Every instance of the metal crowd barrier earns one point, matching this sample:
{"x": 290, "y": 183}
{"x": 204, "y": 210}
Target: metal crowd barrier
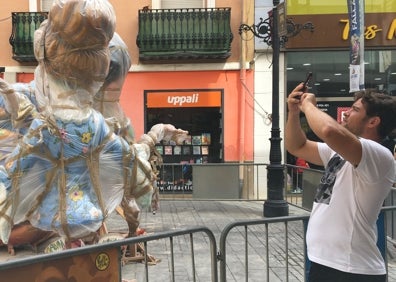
{"x": 268, "y": 249}
{"x": 247, "y": 181}
{"x": 231, "y": 181}
{"x": 104, "y": 261}
{"x": 280, "y": 255}
{"x": 390, "y": 223}
{"x": 267, "y": 256}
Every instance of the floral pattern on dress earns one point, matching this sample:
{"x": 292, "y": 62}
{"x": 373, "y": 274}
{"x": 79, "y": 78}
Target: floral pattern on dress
{"x": 57, "y": 162}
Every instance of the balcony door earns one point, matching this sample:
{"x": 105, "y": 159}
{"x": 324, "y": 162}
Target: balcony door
{"x": 180, "y": 4}
{"x": 45, "y": 5}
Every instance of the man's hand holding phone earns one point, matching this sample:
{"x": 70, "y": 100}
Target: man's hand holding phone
{"x": 307, "y": 80}
{"x": 305, "y": 85}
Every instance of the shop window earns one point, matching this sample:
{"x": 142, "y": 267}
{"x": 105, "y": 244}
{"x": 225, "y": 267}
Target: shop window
{"x": 203, "y": 146}
{"x": 331, "y": 71}
{"x": 200, "y": 113}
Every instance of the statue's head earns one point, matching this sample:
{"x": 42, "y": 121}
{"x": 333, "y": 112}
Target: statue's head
{"x": 72, "y": 44}
{"x": 120, "y": 60}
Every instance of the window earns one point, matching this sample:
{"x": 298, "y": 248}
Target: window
{"x": 331, "y": 71}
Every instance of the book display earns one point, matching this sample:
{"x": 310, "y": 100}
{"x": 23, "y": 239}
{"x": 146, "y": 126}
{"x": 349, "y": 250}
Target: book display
{"x": 160, "y": 149}
{"x": 168, "y": 150}
{"x": 195, "y": 150}
{"x": 196, "y": 140}
{"x": 177, "y": 150}
{"x": 186, "y": 150}
{"x": 195, "y": 145}
{"x": 205, "y": 139}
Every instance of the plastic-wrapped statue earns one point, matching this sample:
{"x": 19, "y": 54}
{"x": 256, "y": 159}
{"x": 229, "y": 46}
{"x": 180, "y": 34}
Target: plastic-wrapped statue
{"x": 21, "y": 105}
{"x": 16, "y": 113}
{"x": 107, "y": 100}
{"x": 70, "y": 170}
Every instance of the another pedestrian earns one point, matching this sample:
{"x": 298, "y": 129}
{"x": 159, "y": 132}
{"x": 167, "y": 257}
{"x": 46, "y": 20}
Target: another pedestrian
{"x": 298, "y": 172}
{"x": 359, "y": 172}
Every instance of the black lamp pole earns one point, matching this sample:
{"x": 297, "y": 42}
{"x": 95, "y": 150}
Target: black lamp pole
{"x": 275, "y": 205}
{"x": 268, "y": 30}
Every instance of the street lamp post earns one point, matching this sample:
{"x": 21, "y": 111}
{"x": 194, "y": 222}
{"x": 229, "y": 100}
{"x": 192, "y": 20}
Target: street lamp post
{"x": 275, "y": 205}
{"x": 268, "y": 30}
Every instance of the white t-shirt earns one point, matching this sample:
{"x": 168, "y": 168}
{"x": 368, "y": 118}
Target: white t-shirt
{"x": 342, "y": 231}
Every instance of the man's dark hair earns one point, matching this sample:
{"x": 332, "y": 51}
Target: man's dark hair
{"x": 381, "y": 105}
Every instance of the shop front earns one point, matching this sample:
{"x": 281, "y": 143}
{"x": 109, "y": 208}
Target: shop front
{"x": 325, "y": 52}
{"x": 214, "y": 108}
{"x": 200, "y": 113}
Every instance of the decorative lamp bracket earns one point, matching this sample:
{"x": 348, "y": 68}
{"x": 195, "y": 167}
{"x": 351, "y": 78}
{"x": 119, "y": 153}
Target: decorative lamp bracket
{"x": 263, "y": 30}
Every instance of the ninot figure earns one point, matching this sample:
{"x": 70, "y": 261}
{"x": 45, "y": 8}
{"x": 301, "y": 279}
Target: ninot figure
{"x": 70, "y": 170}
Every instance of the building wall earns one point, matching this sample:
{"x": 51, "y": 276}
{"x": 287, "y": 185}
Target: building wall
{"x": 263, "y": 90}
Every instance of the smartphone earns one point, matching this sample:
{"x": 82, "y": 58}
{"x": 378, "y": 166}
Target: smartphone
{"x": 307, "y": 80}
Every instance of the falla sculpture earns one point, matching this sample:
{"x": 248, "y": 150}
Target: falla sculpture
{"x": 69, "y": 155}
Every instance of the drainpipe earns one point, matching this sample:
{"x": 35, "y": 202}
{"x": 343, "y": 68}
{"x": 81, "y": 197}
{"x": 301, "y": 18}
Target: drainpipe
{"x": 246, "y": 5}
{"x": 242, "y": 128}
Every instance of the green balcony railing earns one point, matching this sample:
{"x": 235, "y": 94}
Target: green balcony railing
{"x": 24, "y": 25}
{"x": 178, "y": 34}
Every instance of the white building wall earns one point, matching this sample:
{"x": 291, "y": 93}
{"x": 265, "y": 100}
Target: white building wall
{"x": 263, "y": 100}
{"x": 263, "y": 107}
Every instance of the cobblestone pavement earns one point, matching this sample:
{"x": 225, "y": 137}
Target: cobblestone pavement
{"x": 215, "y": 215}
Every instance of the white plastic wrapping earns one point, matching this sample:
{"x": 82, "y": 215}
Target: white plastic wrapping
{"x": 69, "y": 170}
{"x": 107, "y": 100}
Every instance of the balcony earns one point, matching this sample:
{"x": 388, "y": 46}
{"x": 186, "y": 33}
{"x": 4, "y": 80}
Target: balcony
{"x": 24, "y": 25}
{"x": 184, "y": 34}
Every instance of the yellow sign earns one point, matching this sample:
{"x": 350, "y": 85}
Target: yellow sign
{"x": 371, "y": 31}
{"x": 320, "y": 7}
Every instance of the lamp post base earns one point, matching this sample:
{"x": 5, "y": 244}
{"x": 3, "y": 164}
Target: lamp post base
{"x": 275, "y": 208}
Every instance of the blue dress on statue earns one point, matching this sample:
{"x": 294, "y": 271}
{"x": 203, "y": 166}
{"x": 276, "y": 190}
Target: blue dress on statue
{"x": 66, "y": 176}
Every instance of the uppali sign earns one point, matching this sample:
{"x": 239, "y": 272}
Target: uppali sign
{"x": 183, "y": 98}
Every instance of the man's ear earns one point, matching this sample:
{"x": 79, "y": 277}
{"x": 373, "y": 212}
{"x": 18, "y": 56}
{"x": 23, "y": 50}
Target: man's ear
{"x": 374, "y": 121}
